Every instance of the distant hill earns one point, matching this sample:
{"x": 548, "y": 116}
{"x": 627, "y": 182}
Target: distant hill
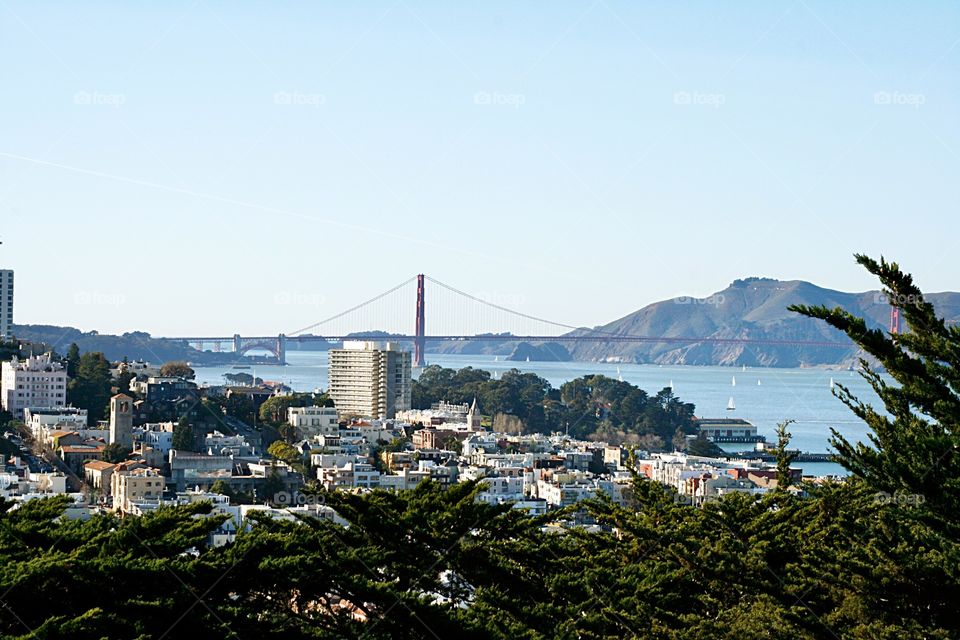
{"x": 750, "y": 308}
{"x": 135, "y": 345}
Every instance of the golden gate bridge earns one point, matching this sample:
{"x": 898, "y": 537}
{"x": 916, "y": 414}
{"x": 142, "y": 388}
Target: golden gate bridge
{"x": 466, "y": 317}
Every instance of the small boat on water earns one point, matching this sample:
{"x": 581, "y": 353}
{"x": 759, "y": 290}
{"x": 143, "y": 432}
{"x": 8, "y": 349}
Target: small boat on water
{"x": 831, "y": 383}
{"x": 758, "y": 382}
{"x": 240, "y": 366}
{"x": 733, "y": 382}
{"x": 496, "y": 358}
{"x": 744, "y": 368}
{"x": 528, "y": 358}
{"x": 730, "y": 405}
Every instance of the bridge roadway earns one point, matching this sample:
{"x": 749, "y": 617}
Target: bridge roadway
{"x": 526, "y": 338}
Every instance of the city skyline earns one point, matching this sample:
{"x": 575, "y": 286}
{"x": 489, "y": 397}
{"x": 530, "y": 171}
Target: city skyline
{"x": 186, "y": 169}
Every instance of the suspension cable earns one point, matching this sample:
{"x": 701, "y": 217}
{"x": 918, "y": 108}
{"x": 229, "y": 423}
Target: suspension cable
{"x": 354, "y": 308}
{"x": 512, "y": 311}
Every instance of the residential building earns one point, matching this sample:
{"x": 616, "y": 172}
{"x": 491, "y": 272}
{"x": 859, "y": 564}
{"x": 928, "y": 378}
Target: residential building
{"x": 138, "y": 485}
{"x": 6, "y": 303}
{"x": 38, "y": 381}
{"x": 43, "y": 420}
{"x": 97, "y": 474}
{"x": 369, "y": 379}
{"x": 313, "y": 421}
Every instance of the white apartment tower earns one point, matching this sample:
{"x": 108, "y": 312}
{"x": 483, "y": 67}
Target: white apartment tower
{"x": 37, "y": 382}
{"x": 370, "y": 380}
{"x": 6, "y": 303}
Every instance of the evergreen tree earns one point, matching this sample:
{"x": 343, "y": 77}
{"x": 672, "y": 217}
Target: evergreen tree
{"x": 184, "y": 437}
{"x": 784, "y": 456}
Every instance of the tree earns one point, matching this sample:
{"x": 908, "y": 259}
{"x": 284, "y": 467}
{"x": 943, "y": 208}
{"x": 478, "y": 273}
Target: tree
{"x": 284, "y": 452}
{"x": 73, "y": 359}
{"x": 784, "y": 456}
{"x": 177, "y": 369}
{"x": 274, "y": 409}
{"x": 184, "y": 437}
{"x": 91, "y": 387}
{"x": 915, "y": 446}
{"x": 114, "y": 453}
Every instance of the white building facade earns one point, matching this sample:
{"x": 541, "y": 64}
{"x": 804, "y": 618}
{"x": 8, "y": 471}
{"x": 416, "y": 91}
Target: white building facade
{"x": 38, "y": 381}
{"x": 370, "y": 380}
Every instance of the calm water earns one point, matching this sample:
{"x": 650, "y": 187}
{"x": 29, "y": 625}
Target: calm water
{"x": 799, "y": 394}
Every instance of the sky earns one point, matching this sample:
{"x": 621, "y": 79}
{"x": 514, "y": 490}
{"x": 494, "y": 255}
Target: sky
{"x": 208, "y": 167}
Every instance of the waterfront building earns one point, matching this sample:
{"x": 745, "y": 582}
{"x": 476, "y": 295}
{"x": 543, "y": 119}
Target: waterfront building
{"x": 727, "y": 430}
{"x": 38, "y": 381}
{"x": 371, "y": 380}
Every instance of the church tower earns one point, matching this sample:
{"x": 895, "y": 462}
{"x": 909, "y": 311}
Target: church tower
{"x": 121, "y": 420}
{"x": 473, "y": 416}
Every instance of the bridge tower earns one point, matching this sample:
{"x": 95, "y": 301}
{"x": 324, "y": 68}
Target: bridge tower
{"x": 419, "y": 342}
{"x": 894, "y": 320}
{"x": 282, "y": 349}
{"x": 237, "y": 346}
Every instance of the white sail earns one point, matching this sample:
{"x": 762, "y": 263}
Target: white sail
{"x": 733, "y": 382}
{"x": 671, "y": 385}
{"x": 496, "y": 358}
{"x": 730, "y": 405}
{"x": 758, "y": 382}
{"x": 831, "y": 383}
{"x": 619, "y": 375}
{"x": 744, "y": 368}
{"x": 528, "y": 358}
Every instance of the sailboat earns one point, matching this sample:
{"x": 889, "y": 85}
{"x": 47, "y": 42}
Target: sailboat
{"x": 744, "y": 368}
{"x": 758, "y": 382}
{"x": 528, "y": 358}
{"x": 619, "y": 375}
{"x": 831, "y": 383}
{"x": 733, "y": 382}
{"x": 496, "y": 358}
{"x": 730, "y": 405}
{"x": 671, "y": 385}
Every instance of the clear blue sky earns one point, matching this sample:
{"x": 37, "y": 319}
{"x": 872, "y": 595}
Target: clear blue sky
{"x": 180, "y": 166}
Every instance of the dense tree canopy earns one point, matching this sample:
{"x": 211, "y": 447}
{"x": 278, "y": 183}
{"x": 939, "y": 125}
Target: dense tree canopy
{"x": 178, "y": 369}
{"x": 92, "y": 386}
{"x": 614, "y": 410}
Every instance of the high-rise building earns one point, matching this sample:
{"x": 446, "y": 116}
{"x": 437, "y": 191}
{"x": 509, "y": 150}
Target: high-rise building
{"x": 370, "y": 380}
{"x": 37, "y": 382}
{"x": 6, "y": 303}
